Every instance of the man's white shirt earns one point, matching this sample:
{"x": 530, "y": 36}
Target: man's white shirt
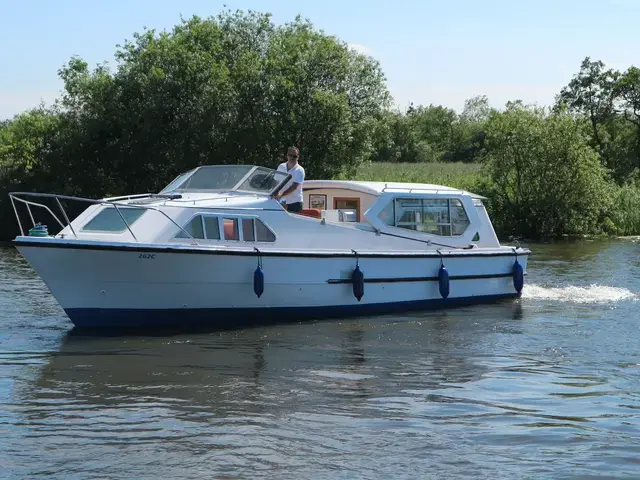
{"x": 297, "y": 175}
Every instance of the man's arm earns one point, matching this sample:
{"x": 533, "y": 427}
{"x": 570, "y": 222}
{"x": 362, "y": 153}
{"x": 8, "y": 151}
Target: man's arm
{"x": 293, "y": 186}
{"x": 298, "y": 178}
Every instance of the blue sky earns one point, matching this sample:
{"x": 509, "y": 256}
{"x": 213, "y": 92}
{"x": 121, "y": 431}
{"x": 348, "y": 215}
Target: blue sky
{"x": 439, "y": 52}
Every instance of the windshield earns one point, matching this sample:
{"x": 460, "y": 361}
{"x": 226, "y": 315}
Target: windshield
{"x": 177, "y": 181}
{"x": 262, "y": 180}
{"x": 211, "y": 178}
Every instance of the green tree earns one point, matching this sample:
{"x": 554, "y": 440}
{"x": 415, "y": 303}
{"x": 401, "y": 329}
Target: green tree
{"x": 591, "y": 92}
{"x": 545, "y": 178}
{"x": 606, "y": 98}
{"x": 234, "y": 88}
{"x": 397, "y": 140}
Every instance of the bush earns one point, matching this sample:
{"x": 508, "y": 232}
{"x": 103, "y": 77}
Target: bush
{"x": 545, "y": 179}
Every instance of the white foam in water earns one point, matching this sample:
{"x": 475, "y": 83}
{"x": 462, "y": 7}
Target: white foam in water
{"x": 590, "y": 294}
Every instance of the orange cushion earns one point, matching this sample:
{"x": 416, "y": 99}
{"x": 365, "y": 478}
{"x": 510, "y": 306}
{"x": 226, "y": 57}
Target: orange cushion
{"x": 311, "y": 212}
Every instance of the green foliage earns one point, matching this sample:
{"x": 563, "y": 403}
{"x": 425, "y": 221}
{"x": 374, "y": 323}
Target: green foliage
{"x": 624, "y": 218}
{"x": 231, "y": 89}
{"x": 545, "y": 179}
{"x": 610, "y": 101}
{"x": 466, "y": 176}
{"x": 431, "y": 134}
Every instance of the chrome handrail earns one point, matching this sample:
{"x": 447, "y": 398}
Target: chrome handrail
{"x": 14, "y": 196}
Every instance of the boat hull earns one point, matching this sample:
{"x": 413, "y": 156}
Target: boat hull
{"x": 127, "y": 286}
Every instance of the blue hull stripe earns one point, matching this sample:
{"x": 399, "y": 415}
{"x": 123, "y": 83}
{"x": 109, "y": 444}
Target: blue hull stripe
{"x": 240, "y": 317}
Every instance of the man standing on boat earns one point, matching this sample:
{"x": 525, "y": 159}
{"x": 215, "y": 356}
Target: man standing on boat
{"x": 292, "y": 192}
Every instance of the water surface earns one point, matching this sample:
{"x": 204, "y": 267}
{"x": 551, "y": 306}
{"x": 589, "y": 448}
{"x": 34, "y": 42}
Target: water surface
{"x": 544, "y": 387}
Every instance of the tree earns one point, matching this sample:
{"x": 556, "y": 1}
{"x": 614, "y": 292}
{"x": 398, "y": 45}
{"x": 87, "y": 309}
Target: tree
{"x": 591, "y": 92}
{"x": 605, "y": 97}
{"x": 476, "y": 109}
{"x": 628, "y": 89}
{"x": 234, "y": 88}
{"x": 546, "y": 180}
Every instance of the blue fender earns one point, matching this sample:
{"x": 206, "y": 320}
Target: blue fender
{"x": 443, "y": 281}
{"x": 258, "y": 281}
{"x": 358, "y": 283}
{"x": 518, "y": 276}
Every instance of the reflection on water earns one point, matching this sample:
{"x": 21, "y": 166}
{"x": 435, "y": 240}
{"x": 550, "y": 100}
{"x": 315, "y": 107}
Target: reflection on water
{"x": 543, "y": 387}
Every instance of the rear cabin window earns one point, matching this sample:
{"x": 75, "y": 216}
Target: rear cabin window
{"x": 435, "y": 216}
{"x": 233, "y": 229}
{"x": 109, "y": 220}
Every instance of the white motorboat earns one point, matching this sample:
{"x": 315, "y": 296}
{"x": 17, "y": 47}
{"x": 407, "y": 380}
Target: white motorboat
{"x": 214, "y": 248}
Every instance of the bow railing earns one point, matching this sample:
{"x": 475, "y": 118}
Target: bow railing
{"x": 115, "y": 202}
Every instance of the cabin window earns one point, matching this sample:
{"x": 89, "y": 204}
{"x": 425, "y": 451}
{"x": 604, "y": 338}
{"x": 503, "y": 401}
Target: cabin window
{"x": 109, "y": 220}
{"x": 349, "y": 207}
{"x": 248, "y": 234}
{"x": 230, "y": 226}
{"x": 459, "y": 219}
{"x": 208, "y": 227}
{"x": 444, "y": 217}
{"x": 194, "y": 228}
{"x": 263, "y": 234}
{"x": 211, "y": 227}
{"x": 388, "y": 215}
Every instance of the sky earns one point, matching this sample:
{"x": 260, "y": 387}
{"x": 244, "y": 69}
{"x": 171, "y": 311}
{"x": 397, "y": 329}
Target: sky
{"x": 432, "y": 52}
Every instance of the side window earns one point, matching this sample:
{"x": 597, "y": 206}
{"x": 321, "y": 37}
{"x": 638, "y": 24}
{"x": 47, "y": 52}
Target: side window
{"x": 208, "y": 226}
{"x": 247, "y": 230}
{"x": 444, "y": 217}
{"x": 109, "y": 220}
{"x": 408, "y": 213}
{"x": 230, "y": 226}
{"x": 194, "y": 227}
{"x": 212, "y": 228}
{"x": 459, "y": 219}
{"x": 436, "y": 219}
{"x": 388, "y": 214}
{"x": 263, "y": 234}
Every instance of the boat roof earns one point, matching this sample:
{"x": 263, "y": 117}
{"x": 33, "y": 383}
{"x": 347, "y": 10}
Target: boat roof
{"x": 377, "y": 188}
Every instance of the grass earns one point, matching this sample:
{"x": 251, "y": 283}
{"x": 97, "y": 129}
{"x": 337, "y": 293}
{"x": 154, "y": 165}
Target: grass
{"x": 456, "y": 175}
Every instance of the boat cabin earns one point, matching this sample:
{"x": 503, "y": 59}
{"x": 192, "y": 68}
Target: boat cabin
{"x": 232, "y": 205}
{"x": 434, "y": 210}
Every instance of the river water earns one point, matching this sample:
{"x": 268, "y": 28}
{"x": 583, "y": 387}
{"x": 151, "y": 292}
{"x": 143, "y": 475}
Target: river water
{"x": 544, "y": 387}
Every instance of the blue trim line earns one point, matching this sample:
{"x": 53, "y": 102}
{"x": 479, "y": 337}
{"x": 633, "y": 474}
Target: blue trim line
{"x": 241, "y": 317}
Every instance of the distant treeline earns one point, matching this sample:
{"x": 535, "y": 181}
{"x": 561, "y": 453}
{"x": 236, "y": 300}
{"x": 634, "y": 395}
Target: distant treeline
{"x": 236, "y": 88}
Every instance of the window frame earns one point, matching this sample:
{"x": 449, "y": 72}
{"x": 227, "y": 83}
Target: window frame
{"x": 422, "y": 200}
{"x": 232, "y": 216}
{"x": 125, "y": 223}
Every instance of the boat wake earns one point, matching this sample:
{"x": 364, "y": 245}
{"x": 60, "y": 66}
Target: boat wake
{"x": 597, "y": 294}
